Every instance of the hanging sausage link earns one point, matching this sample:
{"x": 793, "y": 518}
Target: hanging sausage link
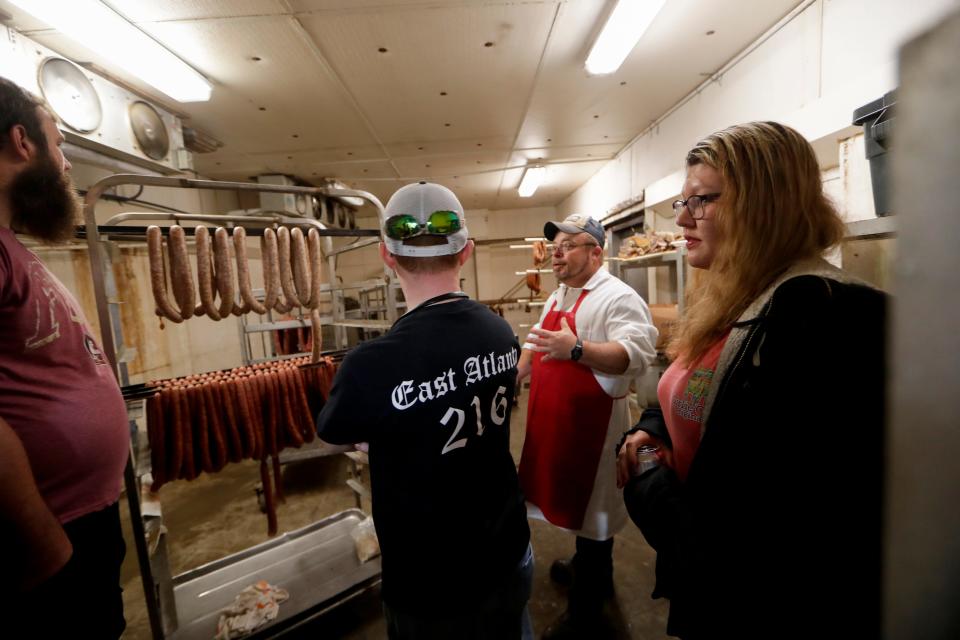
{"x": 181, "y": 277}
{"x": 243, "y": 271}
{"x": 205, "y": 272}
{"x": 301, "y": 268}
{"x": 158, "y": 275}
{"x": 286, "y": 270}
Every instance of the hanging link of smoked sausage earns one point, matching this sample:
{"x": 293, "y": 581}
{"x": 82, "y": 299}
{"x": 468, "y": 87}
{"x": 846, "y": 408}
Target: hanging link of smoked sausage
{"x": 243, "y": 271}
{"x": 231, "y": 419}
{"x": 271, "y": 274}
{"x": 181, "y": 277}
{"x": 286, "y": 269}
{"x": 316, "y": 265}
{"x": 215, "y": 421}
{"x": 223, "y": 271}
{"x": 158, "y": 275}
{"x": 316, "y": 336}
{"x": 205, "y": 272}
{"x": 301, "y": 268}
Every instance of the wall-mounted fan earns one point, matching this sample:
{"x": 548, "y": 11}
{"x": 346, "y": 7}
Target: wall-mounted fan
{"x": 70, "y": 94}
{"x": 149, "y": 130}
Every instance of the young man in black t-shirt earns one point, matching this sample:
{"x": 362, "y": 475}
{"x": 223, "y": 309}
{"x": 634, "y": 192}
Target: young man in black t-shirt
{"x": 432, "y": 398}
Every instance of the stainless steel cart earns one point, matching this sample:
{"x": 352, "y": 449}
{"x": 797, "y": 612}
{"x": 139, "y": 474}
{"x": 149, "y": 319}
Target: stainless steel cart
{"x": 317, "y": 564}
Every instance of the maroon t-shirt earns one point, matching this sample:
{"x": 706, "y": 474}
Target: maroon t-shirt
{"x": 57, "y": 389}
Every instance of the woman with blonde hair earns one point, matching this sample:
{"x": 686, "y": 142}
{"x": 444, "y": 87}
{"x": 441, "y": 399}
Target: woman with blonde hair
{"x": 765, "y": 507}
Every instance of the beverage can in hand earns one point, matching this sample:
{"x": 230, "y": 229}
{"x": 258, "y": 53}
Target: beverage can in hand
{"x": 647, "y": 458}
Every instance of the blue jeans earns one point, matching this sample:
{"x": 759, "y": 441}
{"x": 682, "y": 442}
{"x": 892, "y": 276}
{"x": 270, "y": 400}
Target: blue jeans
{"x": 504, "y": 615}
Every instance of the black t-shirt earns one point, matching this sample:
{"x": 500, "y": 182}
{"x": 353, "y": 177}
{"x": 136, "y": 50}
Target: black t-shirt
{"x": 433, "y": 399}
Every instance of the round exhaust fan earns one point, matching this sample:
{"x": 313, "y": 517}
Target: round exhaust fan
{"x": 70, "y": 94}
{"x": 149, "y": 130}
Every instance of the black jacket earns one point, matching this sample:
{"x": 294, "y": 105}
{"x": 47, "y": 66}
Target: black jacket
{"x": 776, "y": 532}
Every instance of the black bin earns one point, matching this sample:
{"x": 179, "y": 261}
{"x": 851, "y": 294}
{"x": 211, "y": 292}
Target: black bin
{"x": 877, "y": 120}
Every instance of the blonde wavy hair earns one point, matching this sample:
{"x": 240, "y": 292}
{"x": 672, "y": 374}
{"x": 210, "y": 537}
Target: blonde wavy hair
{"x": 772, "y": 213}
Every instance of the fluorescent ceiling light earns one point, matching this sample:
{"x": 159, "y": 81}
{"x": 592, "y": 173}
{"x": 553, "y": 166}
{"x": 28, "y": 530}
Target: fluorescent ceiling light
{"x": 626, "y": 25}
{"x": 103, "y": 31}
{"x": 535, "y": 239}
{"x": 532, "y": 179}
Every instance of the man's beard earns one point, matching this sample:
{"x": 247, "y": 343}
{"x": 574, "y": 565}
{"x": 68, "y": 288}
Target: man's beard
{"x": 44, "y": 202}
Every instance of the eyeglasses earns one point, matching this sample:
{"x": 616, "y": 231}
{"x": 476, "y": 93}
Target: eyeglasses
{"x": 694, "y": 204}
{"x": 439, "y": 223}
{"x": 566, "y": 246}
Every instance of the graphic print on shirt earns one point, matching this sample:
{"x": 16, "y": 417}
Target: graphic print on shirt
{"x": 689, "y": 405}
{"x": 46, "y": 323}
{"x": 475, "y": 369}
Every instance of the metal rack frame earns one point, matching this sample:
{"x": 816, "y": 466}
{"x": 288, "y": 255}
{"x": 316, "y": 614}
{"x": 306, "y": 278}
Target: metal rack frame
{"x": 112, "y": 340}
{"x": 674, "y": 260}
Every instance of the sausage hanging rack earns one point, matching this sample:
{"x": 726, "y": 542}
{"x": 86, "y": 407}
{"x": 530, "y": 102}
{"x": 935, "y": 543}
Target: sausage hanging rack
{"x": 144, "y": 390}
{"x": 158, "y": 590}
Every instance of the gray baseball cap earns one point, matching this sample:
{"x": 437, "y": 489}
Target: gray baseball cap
{"x": 576, "y": 223}
{"x": 420, "y": 200}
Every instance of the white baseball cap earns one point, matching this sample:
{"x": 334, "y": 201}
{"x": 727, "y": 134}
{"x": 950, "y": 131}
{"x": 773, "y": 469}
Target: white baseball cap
{"x": 420, "y": 200}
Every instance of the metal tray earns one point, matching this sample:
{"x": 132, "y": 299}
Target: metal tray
{"x": 316, "y": 449}
{"x": 316, "y": 564}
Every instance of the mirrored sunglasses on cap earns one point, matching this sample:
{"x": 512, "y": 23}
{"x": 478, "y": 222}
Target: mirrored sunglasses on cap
{"x": 404, "y": 225}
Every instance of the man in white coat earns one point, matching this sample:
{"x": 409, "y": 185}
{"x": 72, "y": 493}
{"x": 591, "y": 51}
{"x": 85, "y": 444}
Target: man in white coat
{"x": 594, "y": 336}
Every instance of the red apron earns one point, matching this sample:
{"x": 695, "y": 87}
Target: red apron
{"x": 567, "y": 419}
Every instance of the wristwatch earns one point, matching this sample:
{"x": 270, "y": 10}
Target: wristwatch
{"x": 577, "y": 352}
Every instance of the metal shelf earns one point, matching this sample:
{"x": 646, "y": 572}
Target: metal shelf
{"x": 363, "y": 324}
{"x": 871, "y": 228}
{"x": 662, "y": 259}
{"x": 675, "y": 260}
{"x": 283, "y": 324}
{"x": 320, "y": 560}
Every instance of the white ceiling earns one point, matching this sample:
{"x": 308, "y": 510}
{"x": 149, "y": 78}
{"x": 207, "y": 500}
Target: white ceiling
{"x": 465, "y": 90}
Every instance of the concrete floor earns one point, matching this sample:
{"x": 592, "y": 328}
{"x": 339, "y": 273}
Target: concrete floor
{"x": 216, "y": 515}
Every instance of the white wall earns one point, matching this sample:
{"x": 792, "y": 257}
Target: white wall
{"x": 809, "y": 72}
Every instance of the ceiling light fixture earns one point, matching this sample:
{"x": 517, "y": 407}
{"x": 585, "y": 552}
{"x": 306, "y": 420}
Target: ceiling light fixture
{"x": 626, "y": 25}
{"x": 531, "y": 181}
{"x": 105, "y": 32}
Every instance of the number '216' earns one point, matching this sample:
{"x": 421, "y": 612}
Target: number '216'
{"x": 498, "y": 413}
